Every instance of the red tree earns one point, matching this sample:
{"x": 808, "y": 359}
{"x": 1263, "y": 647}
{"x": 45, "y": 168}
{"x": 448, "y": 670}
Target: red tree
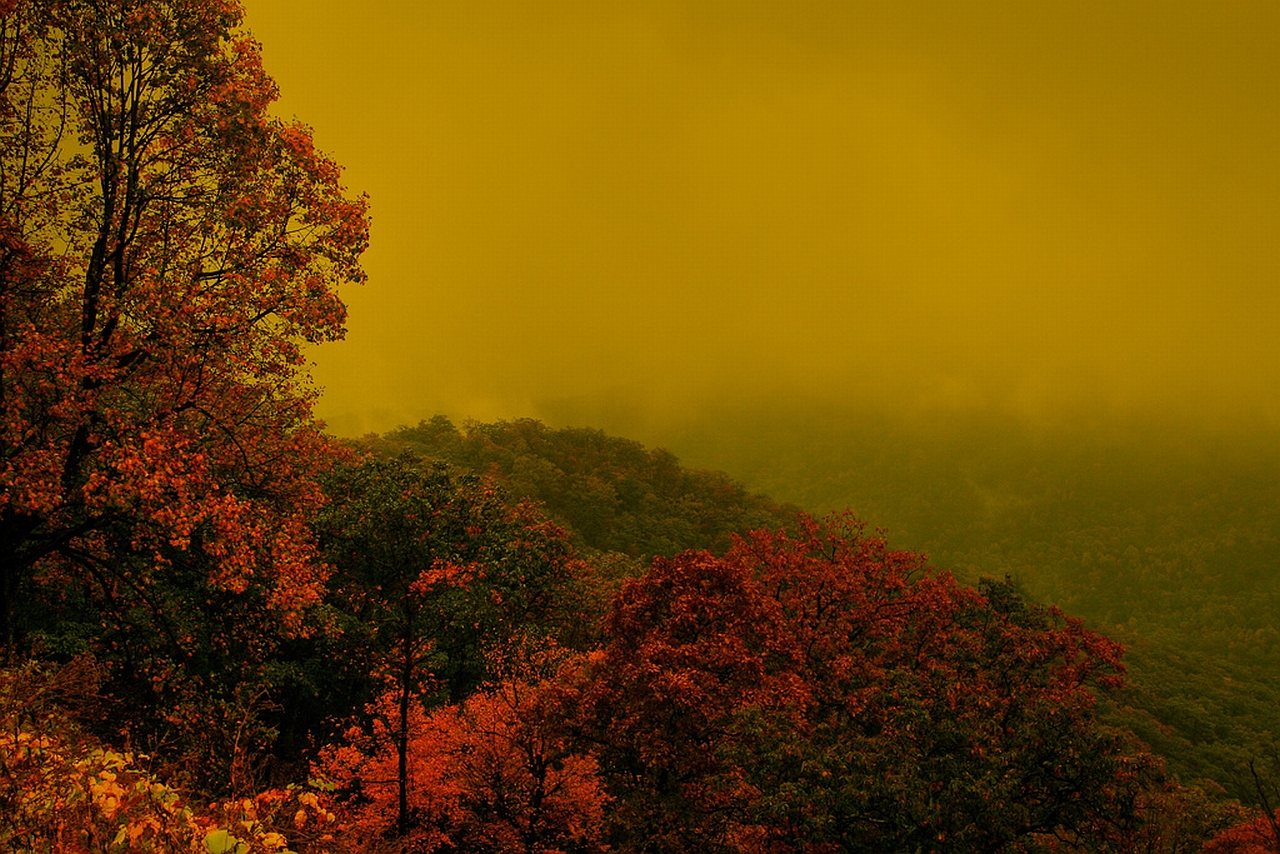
{"x": 1260, "y": 833}
{"x": 1256, "y": 836}
{"x": 692, "y": 644}
{"x": 166, "y": 248}
{"x": 825, "y": 693}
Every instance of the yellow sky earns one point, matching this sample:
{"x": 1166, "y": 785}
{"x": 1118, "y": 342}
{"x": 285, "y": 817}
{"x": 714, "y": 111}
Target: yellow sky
{"x": 1028, "y": 206}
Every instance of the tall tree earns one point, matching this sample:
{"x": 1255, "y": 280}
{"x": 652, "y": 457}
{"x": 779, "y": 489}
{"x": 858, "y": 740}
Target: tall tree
{"x": 435, "y": 576}
{"x": 166, "y": 249}
{"x": 494, "y": 774}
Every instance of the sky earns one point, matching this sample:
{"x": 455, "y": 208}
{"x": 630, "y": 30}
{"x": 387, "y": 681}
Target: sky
{"x": 634, "y": 213}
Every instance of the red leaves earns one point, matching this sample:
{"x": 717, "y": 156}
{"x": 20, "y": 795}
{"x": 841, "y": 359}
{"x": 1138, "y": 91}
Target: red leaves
{"x": 1255, "y": 836}
{"x": 825, "y": 688}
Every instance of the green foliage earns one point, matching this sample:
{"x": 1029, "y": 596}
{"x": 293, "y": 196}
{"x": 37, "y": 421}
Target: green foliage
{"x": 433, "y": 570}
{"x": 612, "y": 493}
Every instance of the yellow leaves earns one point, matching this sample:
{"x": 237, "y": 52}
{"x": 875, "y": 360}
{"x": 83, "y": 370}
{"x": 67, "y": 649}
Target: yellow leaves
{"x": 72, "y": 791}
{"x": 272, "y": 841}
{"x": 106, "y": 793}
{"x": 222, "y": 842}
{"x": 64, "y": 792}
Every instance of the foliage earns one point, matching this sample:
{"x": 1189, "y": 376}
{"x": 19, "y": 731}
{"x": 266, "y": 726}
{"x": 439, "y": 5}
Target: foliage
{"x": 1257, "y": 835}
{"x": 63, "y": 791}
{"x": 1163, "y": 538}
{"x": 435, "y": 576}
{"x": 823, "y": 690}
{"x": 613, "y": 493}
{"x": 439, "y": 570}
{"x": 496, "y": 773}
{"x": 166, "y": 248}
{"x": 1258, "y": 832}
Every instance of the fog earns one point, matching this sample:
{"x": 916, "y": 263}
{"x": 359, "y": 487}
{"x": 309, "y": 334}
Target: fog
{"x": 653, "y": 217}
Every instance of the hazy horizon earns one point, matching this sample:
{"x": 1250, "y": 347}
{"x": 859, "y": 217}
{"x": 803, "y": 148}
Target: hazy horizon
{"x": 639, "y": 215}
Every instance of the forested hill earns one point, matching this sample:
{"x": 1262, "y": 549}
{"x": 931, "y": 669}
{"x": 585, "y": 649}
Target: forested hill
{"x": 1166, "y": 539}
{"x": 1174, "y": 551}
{"x": 224, "y": 632}
{"x": 613, "y": 494}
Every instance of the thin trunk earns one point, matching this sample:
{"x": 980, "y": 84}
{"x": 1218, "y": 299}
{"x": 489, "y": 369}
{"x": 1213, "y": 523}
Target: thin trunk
{"x": 14, "y": 532}
{"x": 8, "y": 592}
{"x": 402, "y": 740}
{"x": 1267, "y": 810}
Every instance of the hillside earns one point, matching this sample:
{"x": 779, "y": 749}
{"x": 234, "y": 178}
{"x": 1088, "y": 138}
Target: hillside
{"x": 475, "y": 594}
{"x": 1165, "y": 539}
{"x": 614, "y": 494}
{"x": 1176, "y": 554}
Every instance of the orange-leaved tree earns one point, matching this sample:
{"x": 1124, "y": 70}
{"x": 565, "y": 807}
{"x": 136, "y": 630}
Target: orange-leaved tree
{"x": 1259, "y": 831}
{"x": 435, "y": 579}
{"x": 496, "y": 774}
{"x": 167, "y": 247}
{"x": 1257, "y": 835}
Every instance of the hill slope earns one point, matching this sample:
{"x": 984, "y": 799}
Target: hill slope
{"x": 1166, "y": 539}
{"x": 614, "y": 494}
{"x": 1174, "y": 552}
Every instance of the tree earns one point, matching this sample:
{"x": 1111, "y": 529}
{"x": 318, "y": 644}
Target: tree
{"x": 690, "y": 645}
{"x": 1259, "y": 831}
{"x": 495, "y": 774}
{"x": 821, "y": 692}
{"x": 611, "y": 493}
{"x": 166, "y": 249}
{"x": 1253, "y": 836}
{"x": 434, "y": 575}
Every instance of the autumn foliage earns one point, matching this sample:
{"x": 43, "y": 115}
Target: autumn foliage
{"x": 225, "y": 632}
{"x": 496, "y": 773}
{"x": 1260, "y": 835}
{"x": 817, "y": 692}
{"x": 825, "y": 691}
{"x": 63, "y": 791}
{"x": 166, "y": 248}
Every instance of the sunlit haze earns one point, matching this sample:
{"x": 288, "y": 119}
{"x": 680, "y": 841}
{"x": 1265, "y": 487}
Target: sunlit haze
{"x": 636, "y": 214}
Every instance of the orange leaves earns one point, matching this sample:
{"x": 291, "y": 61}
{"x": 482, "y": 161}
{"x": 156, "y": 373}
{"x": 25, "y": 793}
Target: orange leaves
{"x": 441, "y": 574}
{"x": 167, "y": 249}
{"x": 494, "y": 774}
{"x": 1254, "y": 836}
{"x": 151, "y": 365}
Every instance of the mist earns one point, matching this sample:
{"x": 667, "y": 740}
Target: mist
{"x": 653, "y": 215}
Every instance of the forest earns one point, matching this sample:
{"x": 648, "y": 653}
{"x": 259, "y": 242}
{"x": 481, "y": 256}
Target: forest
{"x": 226, "y": 631}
